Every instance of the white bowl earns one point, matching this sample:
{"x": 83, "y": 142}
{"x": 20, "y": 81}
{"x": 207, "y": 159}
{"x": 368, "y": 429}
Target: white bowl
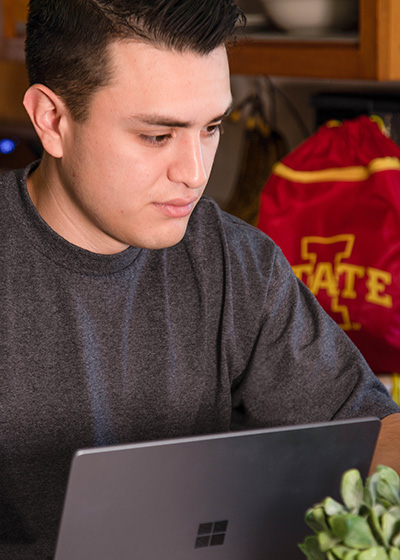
{"x": 312, "y": 16}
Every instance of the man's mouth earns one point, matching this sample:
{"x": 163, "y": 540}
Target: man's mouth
{"x": 177, "y": 208}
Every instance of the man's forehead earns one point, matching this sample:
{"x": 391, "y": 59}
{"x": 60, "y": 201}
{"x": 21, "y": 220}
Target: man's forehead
{"x": 136, "y": 54}
{"x": 156, "y": 86}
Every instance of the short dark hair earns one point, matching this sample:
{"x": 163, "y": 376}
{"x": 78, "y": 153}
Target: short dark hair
{"x": 66, "y": 44}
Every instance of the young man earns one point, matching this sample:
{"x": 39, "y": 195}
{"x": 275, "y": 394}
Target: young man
{"x": 131, "y": 307}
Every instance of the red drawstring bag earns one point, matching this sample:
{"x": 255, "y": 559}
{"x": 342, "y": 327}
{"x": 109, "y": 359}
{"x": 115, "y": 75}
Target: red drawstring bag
{"x": 333, "y": 206}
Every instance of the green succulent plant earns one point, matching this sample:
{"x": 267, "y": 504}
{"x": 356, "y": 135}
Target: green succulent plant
{"x": 365, "y": 527}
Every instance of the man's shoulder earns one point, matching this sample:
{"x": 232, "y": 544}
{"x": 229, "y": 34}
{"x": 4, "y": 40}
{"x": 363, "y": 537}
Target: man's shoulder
{"x": 9, "y": 190}
{"x": 9, "y": 181}
{"x": 12, "y": 176}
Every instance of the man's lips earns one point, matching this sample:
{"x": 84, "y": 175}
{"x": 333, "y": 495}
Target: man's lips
{"x": 177, "y": 208}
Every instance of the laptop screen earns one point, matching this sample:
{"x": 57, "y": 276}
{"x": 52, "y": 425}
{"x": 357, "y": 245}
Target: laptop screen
{"x": 236, "y": 496}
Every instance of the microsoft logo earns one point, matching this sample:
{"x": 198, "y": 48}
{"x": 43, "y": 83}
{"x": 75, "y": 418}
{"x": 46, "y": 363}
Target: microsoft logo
{"x": 211, "y": 534}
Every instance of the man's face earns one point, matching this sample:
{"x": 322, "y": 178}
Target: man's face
{"x": 133, "y": 172}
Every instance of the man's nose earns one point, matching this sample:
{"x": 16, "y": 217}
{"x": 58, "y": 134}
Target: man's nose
{"x": 188, "y": 165}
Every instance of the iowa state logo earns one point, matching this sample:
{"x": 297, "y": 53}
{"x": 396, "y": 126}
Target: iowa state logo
{"x": 327, "y": 272}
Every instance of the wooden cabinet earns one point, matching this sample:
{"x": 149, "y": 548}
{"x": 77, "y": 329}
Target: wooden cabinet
{"x": 13, "y": 78}
{"x": 13, "y": 84}
{"x": 373, "y": 54}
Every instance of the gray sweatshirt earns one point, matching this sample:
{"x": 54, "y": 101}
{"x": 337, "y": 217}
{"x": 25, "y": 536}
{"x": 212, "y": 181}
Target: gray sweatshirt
{"x": 213, "y": 334}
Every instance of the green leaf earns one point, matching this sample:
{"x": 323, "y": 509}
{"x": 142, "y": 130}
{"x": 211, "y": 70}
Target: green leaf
{"x": 370, "y": 490}
{"x": 315, "y": 518}
{"x": 332, "y": 507}
{"x": 374, "y": 553}
{"x": 303, "y": 548}
{"x": 379, "y": 510}
{"x": 396, "y": 540}
{"x": 340, "y": 551}
{"x": 310, "y": 548}
{"x": 395, "y": 511}
{"x": 327, "y": 541}
{"x": 352, "y": 490}
{"x": 394, "y": 553}
{"x": 353, "y": 530}
{"x": 351, "y": 555}
{"x": 374, "y": 519}
{"x": 390, "y": 526}
{"x": 390, "y": 475}
{"x": 387, "y": 487}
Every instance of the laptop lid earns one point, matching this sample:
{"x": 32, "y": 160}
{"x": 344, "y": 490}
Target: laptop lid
{"x": 236, "y": 496}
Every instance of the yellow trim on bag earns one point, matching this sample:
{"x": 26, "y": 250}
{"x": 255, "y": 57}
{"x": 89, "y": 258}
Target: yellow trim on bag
{"x": 396, "y": 387}
{"x": 355, "y": 173}
{"x": 332, "y": 123}
{"x": 379, "y": 121}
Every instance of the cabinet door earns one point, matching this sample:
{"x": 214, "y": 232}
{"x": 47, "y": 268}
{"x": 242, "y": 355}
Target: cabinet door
{"x": 373, "y": 53}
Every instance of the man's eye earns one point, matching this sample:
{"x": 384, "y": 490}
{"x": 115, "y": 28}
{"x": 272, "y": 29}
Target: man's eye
{"x": 158, "y": 140}
{"x": 215, "y": 129}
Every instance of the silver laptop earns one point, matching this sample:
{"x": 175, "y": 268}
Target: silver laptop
{"x": 236, "y": 496}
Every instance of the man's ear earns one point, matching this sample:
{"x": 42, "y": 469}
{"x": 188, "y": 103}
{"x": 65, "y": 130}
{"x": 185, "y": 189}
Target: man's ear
{"x": 49, "y": 115}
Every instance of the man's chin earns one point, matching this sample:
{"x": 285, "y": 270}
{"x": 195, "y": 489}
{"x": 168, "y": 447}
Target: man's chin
{"x": 164, "y": 241}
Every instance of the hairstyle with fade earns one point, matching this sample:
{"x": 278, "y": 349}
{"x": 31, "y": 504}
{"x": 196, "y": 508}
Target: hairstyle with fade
{"x": 67, "y": 40}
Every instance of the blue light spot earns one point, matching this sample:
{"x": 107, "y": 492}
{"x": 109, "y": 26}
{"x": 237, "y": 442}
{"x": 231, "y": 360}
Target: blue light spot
{"x": 7, "y": 146}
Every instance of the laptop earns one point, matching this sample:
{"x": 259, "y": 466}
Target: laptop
{"x": 235, "y": 496}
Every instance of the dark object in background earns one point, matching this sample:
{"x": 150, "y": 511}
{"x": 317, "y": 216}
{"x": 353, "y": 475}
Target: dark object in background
{"x": 343, "y": 106}
{"x": 19, "y": 146}
{"x": 262, "y": 148}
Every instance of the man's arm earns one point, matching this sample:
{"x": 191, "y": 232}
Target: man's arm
{"x": 387, "y": 450}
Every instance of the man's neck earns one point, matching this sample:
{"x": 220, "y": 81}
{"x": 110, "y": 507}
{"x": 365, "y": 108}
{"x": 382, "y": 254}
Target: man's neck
{"x": 56, "y": 208}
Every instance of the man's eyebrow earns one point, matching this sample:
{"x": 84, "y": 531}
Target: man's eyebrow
{"x": 164, "y": 121}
